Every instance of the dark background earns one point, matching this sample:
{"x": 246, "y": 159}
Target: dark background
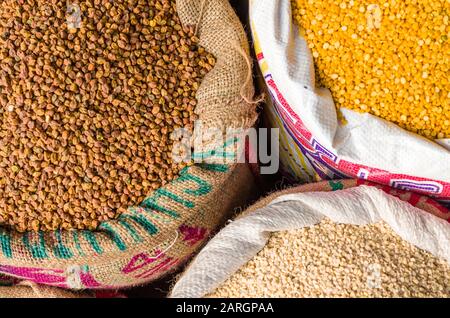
{"x": 161, "y": 288}
{"x": 241, "y": 8}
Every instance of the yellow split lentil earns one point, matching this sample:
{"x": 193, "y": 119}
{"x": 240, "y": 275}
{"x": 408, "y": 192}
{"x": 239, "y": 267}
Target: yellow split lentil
{"x": 339, "y": 260}
{"x": 390, "y": 58}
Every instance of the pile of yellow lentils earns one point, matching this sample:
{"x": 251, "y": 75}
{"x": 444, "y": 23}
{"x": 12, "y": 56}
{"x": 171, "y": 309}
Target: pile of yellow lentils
{"x": 390, "y": 58}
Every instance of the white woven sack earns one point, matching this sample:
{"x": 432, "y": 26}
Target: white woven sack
{"x": 242, "y": 239}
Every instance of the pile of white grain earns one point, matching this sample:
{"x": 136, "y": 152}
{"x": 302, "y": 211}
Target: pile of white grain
{"x": 339, "y": 260}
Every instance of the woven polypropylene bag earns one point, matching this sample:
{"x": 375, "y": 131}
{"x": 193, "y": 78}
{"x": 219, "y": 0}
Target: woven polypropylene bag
{"x": 417, "y": 219}
{"x": 151, "y": 239}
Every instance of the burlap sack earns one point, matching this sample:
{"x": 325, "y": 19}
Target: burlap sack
{"x": 313, "y": 142}
{"x": 157, "y": 236}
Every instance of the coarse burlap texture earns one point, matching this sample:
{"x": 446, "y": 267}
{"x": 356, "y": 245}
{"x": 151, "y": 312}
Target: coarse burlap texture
{"x": 220, "y": 97}
{"x": 41, "y": 291}
{"x": 154, "y": 238}
{"x": 417, "y": 219}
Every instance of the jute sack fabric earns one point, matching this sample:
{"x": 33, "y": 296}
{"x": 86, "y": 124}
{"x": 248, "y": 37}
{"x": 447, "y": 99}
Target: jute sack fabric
{"x": 154, "y": 238}
{"x": 418, "y": 220}
{"x": 42, "y": 291}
